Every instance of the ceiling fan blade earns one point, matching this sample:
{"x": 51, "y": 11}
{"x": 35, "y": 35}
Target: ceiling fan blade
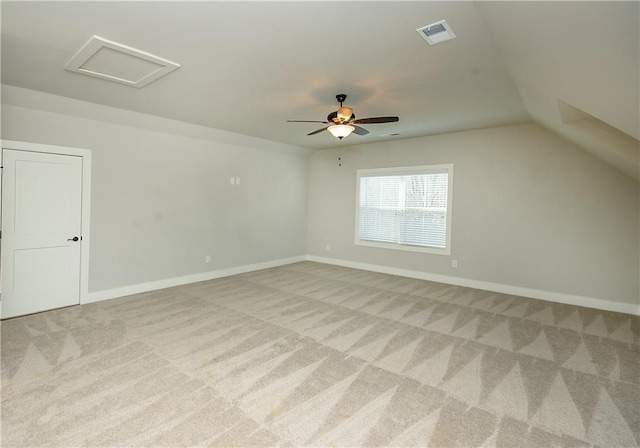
{"x": 317, "y": 132}
{"x": 306, "y": 121}
{"x": 375, "y": 120}
{"x": 360, "y": 131}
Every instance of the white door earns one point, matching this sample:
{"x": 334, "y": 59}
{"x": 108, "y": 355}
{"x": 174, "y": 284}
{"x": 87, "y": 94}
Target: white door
{"x": 41, "y": 231}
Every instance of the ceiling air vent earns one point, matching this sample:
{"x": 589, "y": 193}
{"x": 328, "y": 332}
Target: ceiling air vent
{"x": 436, "y": 32}
{"x": 112, "y": 61}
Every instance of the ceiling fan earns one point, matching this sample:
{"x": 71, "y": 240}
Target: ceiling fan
{"x": 343, "y": 121}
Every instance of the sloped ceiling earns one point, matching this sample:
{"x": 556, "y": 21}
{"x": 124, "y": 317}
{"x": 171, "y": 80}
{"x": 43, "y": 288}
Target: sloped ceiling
{"x": 248, "y": 67}
{"x": 576, "y": 66}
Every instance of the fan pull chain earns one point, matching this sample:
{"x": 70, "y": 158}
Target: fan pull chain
{"x": 339, "y": 158}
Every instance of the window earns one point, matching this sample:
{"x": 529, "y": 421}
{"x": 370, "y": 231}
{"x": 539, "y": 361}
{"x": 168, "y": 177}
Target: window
{"x": 407, "y": 208}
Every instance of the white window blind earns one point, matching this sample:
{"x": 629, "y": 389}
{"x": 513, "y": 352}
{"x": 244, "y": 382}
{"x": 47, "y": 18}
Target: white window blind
{"x": 401, "y": 209}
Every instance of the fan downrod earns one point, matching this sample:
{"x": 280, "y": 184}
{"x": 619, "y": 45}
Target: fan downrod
{"x": 341, "y": 97}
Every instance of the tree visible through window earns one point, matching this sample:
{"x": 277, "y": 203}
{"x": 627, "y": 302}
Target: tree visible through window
{"x": 405, "y": 207}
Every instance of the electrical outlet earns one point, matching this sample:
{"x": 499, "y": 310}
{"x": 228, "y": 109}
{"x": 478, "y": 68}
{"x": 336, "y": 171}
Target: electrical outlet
{"x": 207, "y": 259}
{"x": 232, "y": 181}
{"x": 237, "y": 181}
{"x": 328, "y": 247}
{"x": 454, "y": 263}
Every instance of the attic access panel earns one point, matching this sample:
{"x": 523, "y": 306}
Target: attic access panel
{"x": 112, "y": 61}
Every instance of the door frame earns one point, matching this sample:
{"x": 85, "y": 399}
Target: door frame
{"x": 85, "y": 201}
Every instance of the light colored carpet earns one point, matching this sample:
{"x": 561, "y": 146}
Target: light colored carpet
{"x": 317, "y": 355}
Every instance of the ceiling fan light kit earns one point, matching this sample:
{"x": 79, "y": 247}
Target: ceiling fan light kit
{"x": 341, "y": 131}
{"x": 343, "y": 122}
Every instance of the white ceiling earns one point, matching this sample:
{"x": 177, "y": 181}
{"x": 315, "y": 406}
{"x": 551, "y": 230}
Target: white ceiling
{"x": 247, "y": 67}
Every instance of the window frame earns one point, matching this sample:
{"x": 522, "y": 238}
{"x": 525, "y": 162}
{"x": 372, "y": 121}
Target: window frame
{"x": 405, "y": 171}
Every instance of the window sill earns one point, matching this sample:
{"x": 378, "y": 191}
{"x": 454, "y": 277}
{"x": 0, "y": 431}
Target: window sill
{"x": 406, "y": 248}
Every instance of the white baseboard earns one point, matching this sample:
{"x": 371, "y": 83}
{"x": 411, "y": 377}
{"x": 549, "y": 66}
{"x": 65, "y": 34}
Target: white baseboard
{"x": 98, "y": 296}
{"x": 569, "y": 299}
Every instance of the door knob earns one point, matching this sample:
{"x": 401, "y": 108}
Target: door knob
{"x": 75, "y": 238}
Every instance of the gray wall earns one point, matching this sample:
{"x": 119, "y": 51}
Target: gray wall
{"x": 529, "y": 210}
{"x": 162, "y": 201}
